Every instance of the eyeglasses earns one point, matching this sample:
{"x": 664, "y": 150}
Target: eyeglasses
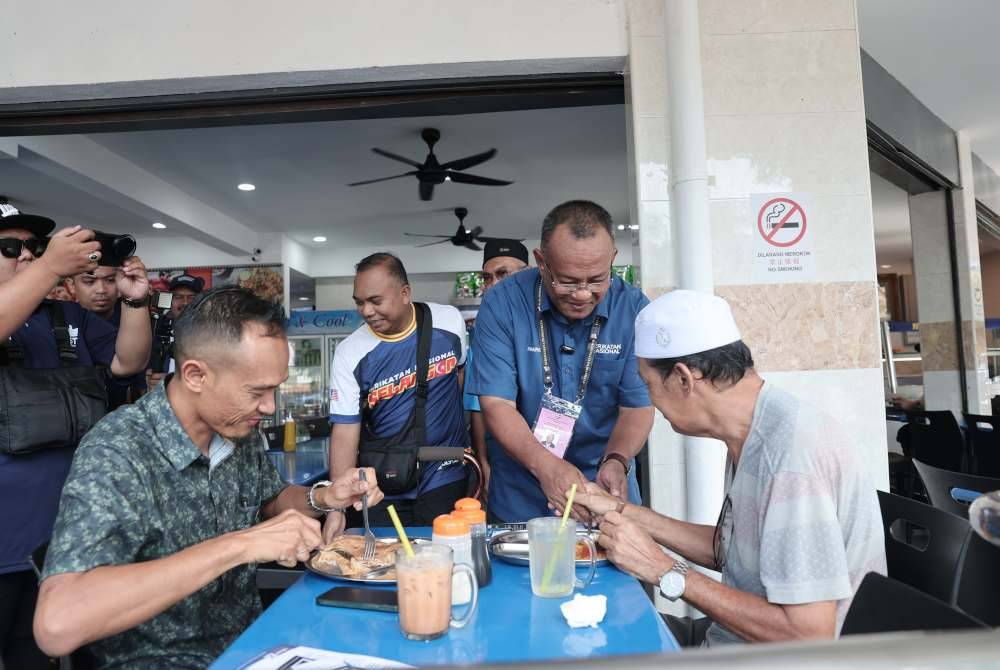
{"x": 723, "y": 533}
{"x": 12, "y": 247}
{"x": 569, "y": 288}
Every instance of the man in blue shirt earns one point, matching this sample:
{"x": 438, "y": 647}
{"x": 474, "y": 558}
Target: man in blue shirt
{"x": 30, "y": 483}
{"x": 572, "y": 287}
{"x": 501, "y": 259}
{"x": 373, "y": 385}
{"x": 97, "y": 291}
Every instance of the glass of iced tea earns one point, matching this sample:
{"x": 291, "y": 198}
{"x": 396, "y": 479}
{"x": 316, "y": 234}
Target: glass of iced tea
{"x": 424, "y": 589}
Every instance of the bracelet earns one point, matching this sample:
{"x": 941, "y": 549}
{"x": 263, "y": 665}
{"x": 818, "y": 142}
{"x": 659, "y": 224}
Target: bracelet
{"x": 138, "y": 304}
{"x": 312, "y": 500}
{"x": 615, "y": 457}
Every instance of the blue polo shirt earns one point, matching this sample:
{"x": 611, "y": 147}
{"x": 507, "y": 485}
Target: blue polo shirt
{"x": 30, "y": 484}
{"x": 509, "y": 365}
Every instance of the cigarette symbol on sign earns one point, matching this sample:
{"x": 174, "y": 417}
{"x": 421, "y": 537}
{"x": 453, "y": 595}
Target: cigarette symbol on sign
{"x": 773, "y": 218}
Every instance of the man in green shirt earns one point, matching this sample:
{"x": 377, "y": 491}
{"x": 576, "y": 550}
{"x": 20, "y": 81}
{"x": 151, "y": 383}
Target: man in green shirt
{"x": 153, "y": 556}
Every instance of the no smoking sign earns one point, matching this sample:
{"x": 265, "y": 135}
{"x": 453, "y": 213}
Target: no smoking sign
{"x": 783, "y": 249}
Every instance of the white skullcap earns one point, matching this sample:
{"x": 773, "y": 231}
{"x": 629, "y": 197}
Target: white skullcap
{"x": 681, "y": 323}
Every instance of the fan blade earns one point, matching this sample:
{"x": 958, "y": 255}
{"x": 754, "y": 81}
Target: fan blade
{"x": 447, "y": 237}
{"x": 476, "y": 232}
{"x": 426, "y": 190}
{"x": 473, "y": 246}
{"x": 469, "y": 161}
{"x": 463, "y": 178}
{"x": 375, "y": 181}
{"x": 397, "y": 157}
{"x": 430, "y": 244}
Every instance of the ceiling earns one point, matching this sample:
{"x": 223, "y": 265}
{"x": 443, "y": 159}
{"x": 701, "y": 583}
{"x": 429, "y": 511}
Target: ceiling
{"x": 945, "y": 54}
{"x": 301, "y": 171}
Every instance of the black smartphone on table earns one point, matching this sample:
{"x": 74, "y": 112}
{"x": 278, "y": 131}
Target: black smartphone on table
{"x": 381, "y": 600}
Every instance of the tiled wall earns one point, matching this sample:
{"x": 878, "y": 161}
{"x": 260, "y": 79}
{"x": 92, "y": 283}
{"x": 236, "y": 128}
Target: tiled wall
{"x": 784, "y": 113}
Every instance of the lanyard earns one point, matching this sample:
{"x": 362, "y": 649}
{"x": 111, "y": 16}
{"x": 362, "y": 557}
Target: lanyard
{"x": 595, "y": 329}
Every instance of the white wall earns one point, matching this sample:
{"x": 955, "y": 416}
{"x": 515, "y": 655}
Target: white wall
{"x": 111, "y": 40}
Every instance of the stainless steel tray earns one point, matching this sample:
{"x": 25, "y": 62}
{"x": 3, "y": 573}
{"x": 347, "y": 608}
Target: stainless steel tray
{"x": 390, "y": 579}
{"x": 512, "y": 547}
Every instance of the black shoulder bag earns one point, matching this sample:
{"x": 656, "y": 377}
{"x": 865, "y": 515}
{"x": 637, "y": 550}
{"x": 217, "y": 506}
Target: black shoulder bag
{"x": 48, "y": 408}
{"x": 395, "y": 459}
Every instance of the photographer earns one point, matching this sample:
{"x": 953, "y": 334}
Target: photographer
{"x": 184, "y": 290}
{"x": 30, "y": 482}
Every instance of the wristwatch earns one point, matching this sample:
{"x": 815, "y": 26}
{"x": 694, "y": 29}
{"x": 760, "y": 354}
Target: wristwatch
{"x": 141, "y": 302}
{"x": 311, "y": 498}
{"x": 674, "y": 581}
{"x": 615, "y": 457}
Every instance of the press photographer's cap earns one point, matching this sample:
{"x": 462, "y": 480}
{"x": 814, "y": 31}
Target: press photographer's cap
{"x": 499, "y": 247}
{"x": 681, "y": 323}
{"x": 196, "y": 284}
{"x": 11, "y": 217}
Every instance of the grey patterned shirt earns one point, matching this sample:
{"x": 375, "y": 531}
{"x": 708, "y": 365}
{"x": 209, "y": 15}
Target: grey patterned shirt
{"x": 805, "y": 524}
{"x": 140, "y": 490}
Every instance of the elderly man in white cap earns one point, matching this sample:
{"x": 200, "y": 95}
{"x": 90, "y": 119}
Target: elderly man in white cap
{"x": 800, "y": 526}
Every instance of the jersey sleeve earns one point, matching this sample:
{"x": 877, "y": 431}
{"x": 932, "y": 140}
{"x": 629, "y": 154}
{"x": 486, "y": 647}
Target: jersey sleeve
{"x": 345, "y": 392}
{"x": 449, "y": 319}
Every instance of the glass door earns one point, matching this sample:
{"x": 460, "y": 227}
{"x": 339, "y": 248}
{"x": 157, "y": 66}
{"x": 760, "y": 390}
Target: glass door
{"x": 303, "y": 394}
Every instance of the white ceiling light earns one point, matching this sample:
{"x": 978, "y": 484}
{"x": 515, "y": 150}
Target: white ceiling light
{"x": 303, "y": 297}
{"x": 621, "y": 226}
{"x": 246, "y": 187}
{"x": 634, "y": 226}
{"x": 319, "y": 238}
{"x": 159, "y": 226}
{"x": 885, "y": 267}
{"x": 447, "y": 178}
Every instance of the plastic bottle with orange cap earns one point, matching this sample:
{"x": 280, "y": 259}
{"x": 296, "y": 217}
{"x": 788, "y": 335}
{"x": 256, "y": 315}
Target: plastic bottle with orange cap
{"x": 453, "y": 532}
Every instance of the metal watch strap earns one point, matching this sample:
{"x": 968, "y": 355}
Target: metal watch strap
{"x": 310, "y": 498}
{"x": 137, "y": 304}
{"x": 681, "y": 567}
{"x": 615, "y": 457}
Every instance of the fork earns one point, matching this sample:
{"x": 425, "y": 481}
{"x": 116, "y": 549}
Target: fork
{"x": 369, "y": 551}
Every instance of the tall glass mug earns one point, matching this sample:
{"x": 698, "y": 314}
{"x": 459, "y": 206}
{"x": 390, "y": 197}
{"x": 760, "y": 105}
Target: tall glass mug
{"x": 552, "y": 558}
{"x": 424, "y": 589}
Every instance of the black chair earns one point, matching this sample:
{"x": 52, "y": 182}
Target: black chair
{"x": 939, "y": 484}
{"x": 923, "y": 545}
{"x": 935, "y": 438}
{"x": 979, "y": 581}
{"x": 984, "y": 443}
{"x": 884, "y": 605}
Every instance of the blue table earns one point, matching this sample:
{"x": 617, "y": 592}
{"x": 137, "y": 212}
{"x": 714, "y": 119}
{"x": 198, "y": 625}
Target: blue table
{"x": 510, "y": 625}
{"x": 308, "y": 464}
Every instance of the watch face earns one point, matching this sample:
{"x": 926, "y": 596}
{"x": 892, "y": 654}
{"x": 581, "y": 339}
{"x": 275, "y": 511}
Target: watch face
{"x": 672, "y": 585}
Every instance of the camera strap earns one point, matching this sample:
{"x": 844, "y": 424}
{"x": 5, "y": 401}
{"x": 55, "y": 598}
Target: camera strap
{"x": 11, "y": 353}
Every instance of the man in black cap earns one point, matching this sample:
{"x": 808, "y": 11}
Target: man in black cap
{"x": 41, "y": 334}
{"x": 185, "y": 289}
{"x": 501, "y": 258}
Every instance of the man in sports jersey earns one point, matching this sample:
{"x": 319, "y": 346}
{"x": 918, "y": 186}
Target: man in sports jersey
{"x": 373, "y": 383}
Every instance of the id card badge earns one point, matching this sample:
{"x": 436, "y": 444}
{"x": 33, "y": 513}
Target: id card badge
{"x": 554, "y": 425}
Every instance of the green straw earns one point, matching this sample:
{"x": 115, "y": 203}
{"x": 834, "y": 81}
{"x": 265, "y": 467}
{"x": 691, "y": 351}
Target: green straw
{"x": 550, "y": 567}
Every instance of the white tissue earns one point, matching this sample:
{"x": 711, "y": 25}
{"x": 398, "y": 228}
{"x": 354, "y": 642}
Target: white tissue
{"x": 583, "y": 611}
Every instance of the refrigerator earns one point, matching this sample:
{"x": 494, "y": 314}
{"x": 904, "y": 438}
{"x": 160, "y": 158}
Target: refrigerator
{"x": 312, "y": 340}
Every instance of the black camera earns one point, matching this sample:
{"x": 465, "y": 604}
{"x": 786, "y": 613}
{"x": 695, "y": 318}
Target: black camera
{"x": 163, "y": 333}
{"x": 114, "y": 248}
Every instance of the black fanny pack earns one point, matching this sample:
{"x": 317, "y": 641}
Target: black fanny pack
{"x": 396, "y": 459}
{"x": 49, "y": 408}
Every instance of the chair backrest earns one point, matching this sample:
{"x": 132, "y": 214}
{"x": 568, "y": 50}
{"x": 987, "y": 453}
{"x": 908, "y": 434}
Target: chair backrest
{"x": 936, "y": 438}
{"x": 984, "y": 440}
{"x": 923, "y": 545}
{"x": 884, "y": 605}
{"x": 939, "y": 484}
{"x": 979, "y": 581}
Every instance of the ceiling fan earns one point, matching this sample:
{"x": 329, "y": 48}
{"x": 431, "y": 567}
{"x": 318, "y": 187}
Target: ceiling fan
{"x": 462, "y": 237}
{"x": 431, "y": 172}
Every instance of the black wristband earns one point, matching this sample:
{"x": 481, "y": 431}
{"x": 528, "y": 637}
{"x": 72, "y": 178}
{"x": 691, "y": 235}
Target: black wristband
{"x": 137, "y": 304}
